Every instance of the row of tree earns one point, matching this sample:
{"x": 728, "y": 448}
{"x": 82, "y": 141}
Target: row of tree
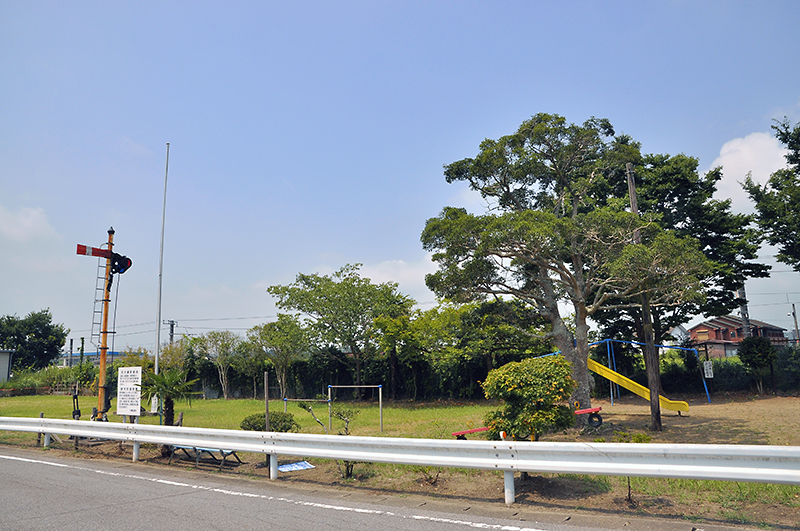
{"x": 579, "y": 217}
{"x": 442, "y": 352}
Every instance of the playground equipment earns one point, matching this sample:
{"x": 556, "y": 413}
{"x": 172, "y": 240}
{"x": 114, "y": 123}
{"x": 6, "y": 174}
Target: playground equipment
{"x": 595, "y": 421}
{"x": 460, "y": 435}
{"x": 630, "y": 385}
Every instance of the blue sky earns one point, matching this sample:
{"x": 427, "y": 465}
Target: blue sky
{"x": 308, "y": 135}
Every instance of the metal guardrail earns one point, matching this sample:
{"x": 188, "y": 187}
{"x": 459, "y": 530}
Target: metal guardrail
{"x": 763, "y": 464}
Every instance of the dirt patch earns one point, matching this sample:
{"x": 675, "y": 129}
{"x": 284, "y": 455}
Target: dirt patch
{"x": 729, "y": 419}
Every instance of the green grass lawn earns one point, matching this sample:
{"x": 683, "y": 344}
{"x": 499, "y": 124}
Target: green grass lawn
{"x": 435, "y": 420}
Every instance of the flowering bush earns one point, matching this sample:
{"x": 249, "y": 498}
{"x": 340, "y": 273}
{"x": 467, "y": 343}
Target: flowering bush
{"x": 534, "y": 391}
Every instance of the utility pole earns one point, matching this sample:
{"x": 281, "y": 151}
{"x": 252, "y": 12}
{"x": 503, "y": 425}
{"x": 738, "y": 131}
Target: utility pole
{"x": 796, "y": 331}
{"x": 743, "y": 312}
{"x": 171, "y": 324}
{"x": 651, "y": 364}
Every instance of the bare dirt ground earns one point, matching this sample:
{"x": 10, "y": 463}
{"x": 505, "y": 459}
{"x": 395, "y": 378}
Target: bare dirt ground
{"x": 729, "y": 419}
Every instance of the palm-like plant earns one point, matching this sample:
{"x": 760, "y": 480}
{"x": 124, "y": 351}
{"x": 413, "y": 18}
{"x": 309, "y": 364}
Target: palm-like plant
{"x": 170, "y": 385}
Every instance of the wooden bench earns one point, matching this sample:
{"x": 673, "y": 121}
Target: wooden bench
{"x": 198, "y": 452}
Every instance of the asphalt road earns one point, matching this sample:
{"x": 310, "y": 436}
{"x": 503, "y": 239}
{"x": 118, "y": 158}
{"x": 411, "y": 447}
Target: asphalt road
{"x": 42, "y": 491}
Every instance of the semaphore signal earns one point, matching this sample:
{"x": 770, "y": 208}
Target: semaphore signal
{"x": 115, "y": 263}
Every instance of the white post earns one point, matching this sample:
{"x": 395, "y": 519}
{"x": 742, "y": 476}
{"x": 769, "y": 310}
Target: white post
{"x": 135, "y": 443}
{"x": 508, "y": 477}
{"x": 273, "y": 466}
{"x": 330, "y": 410}
{"x": 46, "y": 440}
{"x": 380, "y": 404}
{"x": 161, "y": 263}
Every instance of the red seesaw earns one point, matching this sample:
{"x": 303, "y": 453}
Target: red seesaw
{"x": 595, "y": 421}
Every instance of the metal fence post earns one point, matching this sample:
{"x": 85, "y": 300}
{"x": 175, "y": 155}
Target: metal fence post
{"x": 39, "y": 435}
{"x": 136, "y": 443}
{"x": 273, "y": 466}
{"x": 508, "y": 479}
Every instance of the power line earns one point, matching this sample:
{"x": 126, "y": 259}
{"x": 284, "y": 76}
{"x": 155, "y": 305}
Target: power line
{"x": 210, "y": 328}
{"x": 228, "y": 318}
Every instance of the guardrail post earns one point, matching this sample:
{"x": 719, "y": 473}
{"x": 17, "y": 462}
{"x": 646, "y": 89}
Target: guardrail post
{"x": 39, "y": 435}
{"x": 135, "y": 442}
{"x": 273, "y": 466}
{"x": 508, "y": 479}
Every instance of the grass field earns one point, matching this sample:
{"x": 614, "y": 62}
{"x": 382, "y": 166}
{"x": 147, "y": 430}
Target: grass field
{"x": 435, "y": 420}
{"x": 731, "y": 420}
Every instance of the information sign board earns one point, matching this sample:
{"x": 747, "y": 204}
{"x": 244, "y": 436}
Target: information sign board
{"x": 708, "y": 369}
{"x": 129, "y": 391}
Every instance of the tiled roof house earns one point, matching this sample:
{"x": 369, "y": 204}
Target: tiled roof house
{"x": 720, "y": 336}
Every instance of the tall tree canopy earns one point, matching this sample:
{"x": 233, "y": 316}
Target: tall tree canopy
{"x": 670, "y": 188}
{"x": 341, "y": 308}
{"x": 222, "y": 348}
{"x": 549, "y": 240}
{"x": 35, "y": 339}
{"x": 778, "y": 201}
{"x": 282, "y": 342}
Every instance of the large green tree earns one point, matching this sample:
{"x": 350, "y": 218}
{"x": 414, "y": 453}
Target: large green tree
{"x": 671, "y": 188}
{"x": 250, "y": 361}
{"x": 758, "y": 353}
{"x": 341, "y": 308}
{"x": 282, "y": 342}
{"x": 221, "y": 348}
{"x": 549, "y": 242}
{"x": 499, "y": 331}
{"x": 417, "y": 345}
{"x": 778, "y": 201}
{"x": 35, "y": 339}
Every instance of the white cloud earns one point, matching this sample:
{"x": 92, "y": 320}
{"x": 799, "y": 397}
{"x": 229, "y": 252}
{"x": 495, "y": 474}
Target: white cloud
{"x": 410, "y": 277}
{"x": 760, "y": 154}
{"x": 25, "y": 225}
{"x": 127, "y": 146}
{"x": 471, "y": 200}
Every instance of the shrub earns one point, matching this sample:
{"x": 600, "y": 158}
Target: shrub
{"x": 278, "y": 421}
{"x": 680, "y": 372}
{"x": 787, "y": 368}
{"x": 534, "y": 391}
{"x": 731, "y": 375}
{"x": 757, "y": 353}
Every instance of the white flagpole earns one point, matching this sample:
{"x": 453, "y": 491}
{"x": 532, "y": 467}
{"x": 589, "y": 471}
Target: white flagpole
{"x": 161, "y": 262}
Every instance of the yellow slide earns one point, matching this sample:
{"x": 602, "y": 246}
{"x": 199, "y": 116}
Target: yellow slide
{"x": 627, "y": 383}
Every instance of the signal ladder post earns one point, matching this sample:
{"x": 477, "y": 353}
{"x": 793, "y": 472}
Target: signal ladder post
{"x": 115, "y": 263}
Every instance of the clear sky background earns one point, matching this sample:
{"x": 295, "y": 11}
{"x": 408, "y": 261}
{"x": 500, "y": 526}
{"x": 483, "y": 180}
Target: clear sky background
{"x": 308, "y": 135}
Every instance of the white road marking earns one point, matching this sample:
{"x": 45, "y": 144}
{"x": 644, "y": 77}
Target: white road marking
{"x": 477, "y": 525}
